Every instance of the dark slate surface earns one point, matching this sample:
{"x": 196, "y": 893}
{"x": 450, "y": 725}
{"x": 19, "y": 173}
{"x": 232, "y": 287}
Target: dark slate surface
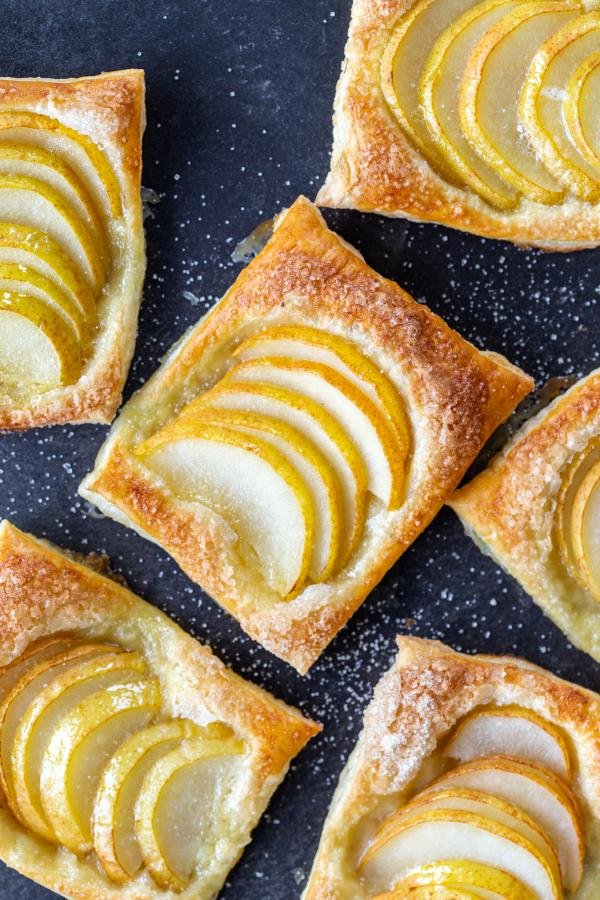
{"x": 239, "y": 106}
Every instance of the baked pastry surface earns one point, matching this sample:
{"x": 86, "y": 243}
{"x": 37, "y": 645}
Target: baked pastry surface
{"x": 447, "y": 398}
{"x": 402, "y": 749}
{"x": 404, "y": 146}
{"x": 49, "y": 596}
{"x": 71, "y": 219}
{"x": 513, "y": 509}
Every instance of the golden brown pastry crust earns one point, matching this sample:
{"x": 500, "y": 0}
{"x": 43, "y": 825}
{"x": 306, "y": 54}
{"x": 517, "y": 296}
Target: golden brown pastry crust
{"x": 416, "y": 703}
{"x": 109, "y": 108}
{"x": 510, "y": 509}
{"x": 43, "y": 591}
{"x": 454, "y": 394}
{"x": 376, "y": 168}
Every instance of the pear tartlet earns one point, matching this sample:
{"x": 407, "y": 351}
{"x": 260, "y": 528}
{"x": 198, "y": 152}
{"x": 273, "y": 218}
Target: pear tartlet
{"x": 72, "y": 254}
{"x": 300, "y": 437}
{"x": 474, "y": 776}
{"x": 477, "y": 114}
{"x": 536, "y": 511}
{"x": 133, "y": 763}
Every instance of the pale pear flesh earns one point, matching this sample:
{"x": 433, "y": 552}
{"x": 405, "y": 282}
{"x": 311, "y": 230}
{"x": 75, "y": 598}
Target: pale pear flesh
{"x": 475, "y": 876}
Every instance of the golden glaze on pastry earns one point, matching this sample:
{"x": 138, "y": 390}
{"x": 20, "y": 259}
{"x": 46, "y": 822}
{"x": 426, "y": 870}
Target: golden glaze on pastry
{"x": 442, "y": 398}
{"x": 531, "y": 511}
{"x": 407, "y": 754}
{"x": 92, "y": 676}
{"x": 471, "y": 114}
{"x": 71, "y": 245}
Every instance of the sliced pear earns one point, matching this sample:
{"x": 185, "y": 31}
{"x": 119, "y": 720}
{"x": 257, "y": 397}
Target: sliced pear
{"x": 404, "y": 60}
{"x": 28, "y": 246}
{"x": 541, "y": 106}
{"x": 37, "y": 162}
{"x": 179, "y": 806}
{"x": 438, "y": 834}
{"x": 364, "y": 424}
{"x": 511, "y": 731}
{"x": 80, "y": 748}
{"x": 580, "y": 106}
{"x": 25, "y": 689}
{"x": 36, "y": 344}
{"x": 79, "y": 149}
{"x": 491, "y": 88}
{"x": 433, "y": 892}
{"x": 115, "y": 841}
{"x": 317, "y": 345}
{"x": 33, "y": 203}
{"x": 483, "y": 804}
{"x": 585, "y": 530}
{"x": 539, "y": 793}
{"x": 39, "y": 721}
{"x": 23, "y": 279}
{"x": 312, "y": 466}
{"x": 33, "y": 654}
{"x": 319, "y": 427}
{"x": 439, "y": 99}
{"x": 248, "y": 482}
{"x": 475, "y": 876}
{"x": 571, "y": 478}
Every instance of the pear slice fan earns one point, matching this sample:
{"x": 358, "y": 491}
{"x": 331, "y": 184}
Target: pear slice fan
{"x": 57, "y": 192}
{"x": 503, "y": 823}
{"x": 88, "y": 762}
{"x": 292, "y": 447}
{"x": 500, "y": 96}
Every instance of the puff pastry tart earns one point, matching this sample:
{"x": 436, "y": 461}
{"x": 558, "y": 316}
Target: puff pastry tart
{"x": 295, "y": 442}
{"x": 133, "y": 763}
{"x": 71, "y": 245}
{"x": 478, "y": 114}
{"x": 536, "y": 511}
{"x": 474, "y": 776}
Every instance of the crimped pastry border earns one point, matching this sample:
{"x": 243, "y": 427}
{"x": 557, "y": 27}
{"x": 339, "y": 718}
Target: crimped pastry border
{"x": 428, "y": 689}
{"x": 376, "y": 168}
{"x": 109, "y": 108}
{"x": 44, "y": 591}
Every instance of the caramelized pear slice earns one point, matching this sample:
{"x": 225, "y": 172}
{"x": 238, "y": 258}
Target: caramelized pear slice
{"x": 25, "y": 246}
{"x": 37, "y": 347}
{"x": 35, "y": 204}
{"x": 79, "y": 149}
{"x": 585, "y": 529}
{"x": 362, "y": 421}
{"x": 319, "y": 427}
{"x": 539, "y": 793}
{"x": 115, "y": 841}
{"x": 33, "y": 680}
{"x": 317, "y": 345}
{"x": 404, "y": 60}
{"x": 580, "y": 109}
{"x": 491, "y": 89}
{"x": 312, "y": 466}
{"x": 15, "y": 278}
{"x": 439, "y": 90}
{"x": 79, "y": 749}
{"x": 541, "y": 106}
{"x": 493, "y": 881}
{"x": 431, "y": 835}
{"x": 33, "y": 654}
{"x": 39, "y": 721}
{"x": 511, "y": 731}
{"x": 572, "y": 476}
{"x": 250, "y": 484}
{"x": 180, "y": 805}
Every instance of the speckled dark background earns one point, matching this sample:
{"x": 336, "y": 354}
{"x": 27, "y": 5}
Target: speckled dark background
{"x": 239, "y": 105}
